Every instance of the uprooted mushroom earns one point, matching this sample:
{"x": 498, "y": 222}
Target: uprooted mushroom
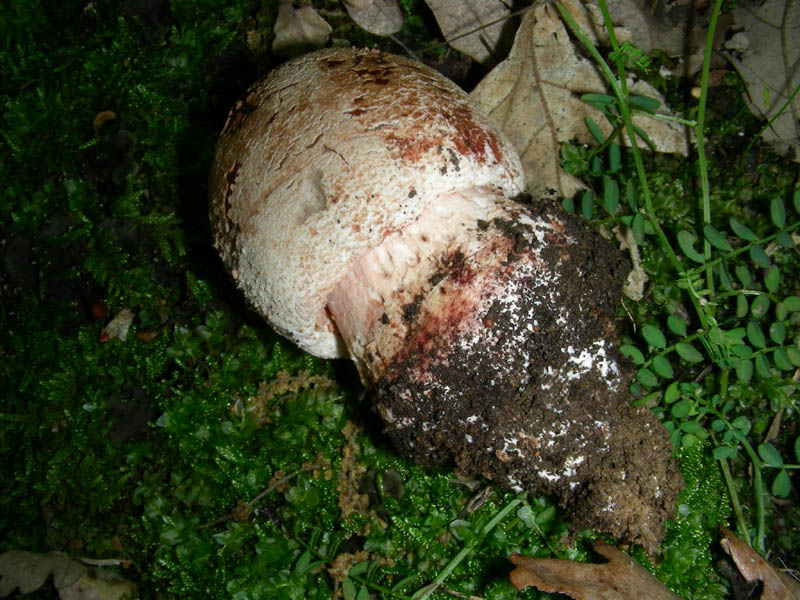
{"x": 367, "y": 209}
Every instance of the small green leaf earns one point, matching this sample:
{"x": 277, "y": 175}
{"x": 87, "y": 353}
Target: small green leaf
{"x": 677, "y": 325}
{"x": 644, "y": 103}
{"x": 688, "y": 352}
{"x": 762, "y": 366}
{"x": 784, "y": 240}
{"x": 755, "y": 335}
{"x": 614, "y": 158}
{"x": 717, "y": 336}
{"x": 772, "y": 278}
{"x": 598, "y": 99}
{"x": 744, "y": 370}
{"x": 796, "y": 200}
{"x": 742, "y": 425}
{"x": 794, "y": 355}
{"x": 646, "y": 138}
{"x": 781, "y": 485}
{"x": 647, "y": 377}
{"x": 736, "y": 335}
{"x": 686, "y": 240}
{"x": 610, "y": 195}
{"x": 587, "y": 204}
{"x": 681, "y": 409}
{"x": 716, "y": 239}
{"x": 758, "y": 256}
{"x": 688, "y": 440}
{"x": 568, "y": 204}
{"x": 348, "y": 589}
{"x": 673, "y": 393}
{"x": 797, "y": 448}
{"x": 638, "y": 227}
{"x": 781, "y": 360}
{"x": 718, "y": 425}
{"x": 792, "y": 303}
{"x": 363, "y": 593}
{"x": 675, "y": 438}
{"x": 594, "y": 129}
{"x": 359, "y": 568}
{"x": 777, "y": 332}
{"x": 633, "y": 353}
{"x": 742, "y": 230}
{"x": 777, "y": 212}
{"x": 630, "y": 195}
{"x": 721, "y": 452}
{"x": 691, "y": 427}
{"x": 654, "y": 336}
{"x": 760, "y": 306}
{"x": 741, "y": 350}
{"x": 724, "y": 277}
{"x": 743, "y": 273}
{"x": 303, "y": 562}
{"x": 741, "y": 305}
{"x": 780, "y": 311}
{"x": 770, "y": 455}
{"x": 662, "y": 367}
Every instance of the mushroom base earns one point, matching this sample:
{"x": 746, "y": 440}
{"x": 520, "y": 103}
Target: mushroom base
{"x": 505, "y": 364}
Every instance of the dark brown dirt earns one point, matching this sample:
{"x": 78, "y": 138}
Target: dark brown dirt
{"x": 530, "y": 392}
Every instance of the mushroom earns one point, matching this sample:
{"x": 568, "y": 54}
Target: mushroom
{"x": 367, "y": 209}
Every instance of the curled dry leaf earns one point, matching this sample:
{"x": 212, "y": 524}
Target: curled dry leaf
{"x": 380, "y": 17}
{"x": 534, "y": 97}
{"x": 478, "y": 28}
{"x": 777, "y": 585}
{"x": 621, "y": 578}
{"x": 29, "y": 571}
{"x": 768, "y": 67}
{"x": 118, "y": 326}
{"x": 637, "y": 278}
{"x": 298, "y": 30}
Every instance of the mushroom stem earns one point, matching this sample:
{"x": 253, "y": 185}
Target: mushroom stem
{"x": 491, "y": 346}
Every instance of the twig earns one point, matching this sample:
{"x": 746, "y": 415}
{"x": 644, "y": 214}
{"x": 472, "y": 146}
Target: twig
{"x": 249, "y": 505}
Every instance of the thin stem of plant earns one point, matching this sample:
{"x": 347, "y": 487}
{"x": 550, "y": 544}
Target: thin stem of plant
{"x": 619, "y": 88}
{"x": 426, "y": 591}
{"x": 702, "y": 165}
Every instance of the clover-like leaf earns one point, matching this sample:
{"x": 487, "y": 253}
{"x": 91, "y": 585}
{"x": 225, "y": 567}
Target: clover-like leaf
{"x": 688, "y": 352}
{"x": 653, "y": 335}
{"x": 716, "y": 239}
{"x": 686, "y": 240}
{"x": 758, "y": 256}
{"x": 777, "y": 212}
{"x": 662, "y": 367}
{"x": 781, "y": 485}
{"x": 770, "y": 455}
{"x": 742, "y": 230}
{"x": 760, "y": 306}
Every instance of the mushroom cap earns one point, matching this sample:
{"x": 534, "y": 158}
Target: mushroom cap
{"x": 325, "y": 158}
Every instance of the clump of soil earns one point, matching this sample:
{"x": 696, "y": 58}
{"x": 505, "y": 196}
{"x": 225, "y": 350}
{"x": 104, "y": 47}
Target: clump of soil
{"x": 520, "y": 381}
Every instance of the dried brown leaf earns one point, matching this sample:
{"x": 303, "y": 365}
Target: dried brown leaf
{"x": 381, "y": 17}
{"x": 534, "y": 97}
{"x": 777, "y": 585}
{"x": 621, "y": 578}
{"x": 298, "y": 30}
{"x": 769, "y": 69}
{"x": 28, "y": 571}
{"x": 117, "y": 328}
{"x": 478, "y": 28}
